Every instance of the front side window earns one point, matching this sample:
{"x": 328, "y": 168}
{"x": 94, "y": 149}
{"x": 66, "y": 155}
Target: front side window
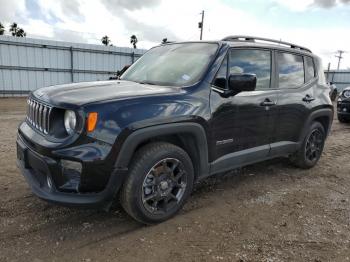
{"x": 173, "y": 65}
{"x": 252, "y": 61}
{"x": 290, "y": 70}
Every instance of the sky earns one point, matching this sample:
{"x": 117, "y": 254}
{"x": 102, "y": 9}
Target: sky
{"x": 321, "y": 25}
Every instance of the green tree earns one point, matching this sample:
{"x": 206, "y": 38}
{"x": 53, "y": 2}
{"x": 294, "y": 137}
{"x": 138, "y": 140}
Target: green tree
{"x": 133, "y": 40}
{"x": 2, "y": 29}
{"x": 17, "y": 31}
{"x": 105, "y": 40}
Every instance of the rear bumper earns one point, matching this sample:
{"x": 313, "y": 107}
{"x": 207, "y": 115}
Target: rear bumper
{"x": 40, "y": 172}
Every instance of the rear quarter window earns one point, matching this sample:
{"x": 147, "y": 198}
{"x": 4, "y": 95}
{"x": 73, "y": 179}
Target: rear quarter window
{"x": 310, "y": 71}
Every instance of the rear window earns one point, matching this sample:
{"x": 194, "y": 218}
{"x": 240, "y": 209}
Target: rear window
{"x": 290, "y": 70}
{"x": 309, "y": 68}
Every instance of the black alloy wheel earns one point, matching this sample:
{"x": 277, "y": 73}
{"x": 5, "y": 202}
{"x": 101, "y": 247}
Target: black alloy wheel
{"x": 160, "y": 180}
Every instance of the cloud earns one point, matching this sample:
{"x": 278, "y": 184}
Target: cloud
{"x": 87, "y": 21}
{"x": 71, "y": 8}
{"x": 302, "y": 5}
{"x": 118, "y": 5}
{"x": 329, "y": 3}
{"x": 71, "y": 36}
{"x": 148, "y": 32}
{"x": 63, "y": 9}
{"x": 10, "y": 10}
{"x": 135, "y": 23}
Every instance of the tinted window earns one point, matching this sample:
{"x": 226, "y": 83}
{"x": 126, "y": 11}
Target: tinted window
{"x": 220, "y": 79}
{"x": 309, "y": 68}
{"x": 256, "y": 62}
{"x": 291, "y": 70}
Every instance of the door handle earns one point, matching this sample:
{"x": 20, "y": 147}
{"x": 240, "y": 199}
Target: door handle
{"x": 268, "y": 102}
{"x": 308, "y": 99}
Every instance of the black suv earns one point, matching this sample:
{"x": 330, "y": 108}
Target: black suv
{"x": 343, "y": 106}
{"x": 182, "y": 112}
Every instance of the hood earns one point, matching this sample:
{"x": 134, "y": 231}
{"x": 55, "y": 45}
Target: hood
{"x": 88, "y": 92}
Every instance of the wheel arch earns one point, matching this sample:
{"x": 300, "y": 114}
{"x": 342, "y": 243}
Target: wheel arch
{"x": 324, "y": 116}
{"x": 191, "y": 137}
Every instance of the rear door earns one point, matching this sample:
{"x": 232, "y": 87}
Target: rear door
{"x": 296, "y": 76}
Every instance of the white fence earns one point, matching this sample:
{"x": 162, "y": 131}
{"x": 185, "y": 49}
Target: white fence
{"x": 341, "y": 78}
{"x": 27, "y": 64}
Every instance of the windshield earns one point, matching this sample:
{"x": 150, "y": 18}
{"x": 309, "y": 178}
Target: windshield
{"x": 174, "y": 65}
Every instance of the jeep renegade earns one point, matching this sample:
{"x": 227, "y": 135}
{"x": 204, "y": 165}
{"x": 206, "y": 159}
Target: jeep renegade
{"x": 182, "y": 112}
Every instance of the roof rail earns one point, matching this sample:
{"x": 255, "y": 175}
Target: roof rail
{"x": 253, "y": 38}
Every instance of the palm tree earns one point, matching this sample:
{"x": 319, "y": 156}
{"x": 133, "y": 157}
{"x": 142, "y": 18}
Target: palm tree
{"x": 2, "y": 29}
{"x": 133, "y": 40}
{"x": 14, "y": 29}
{"x": 21, "y": 33}
{"x": 17, "y": 31}
{"x": 105, "y": 40}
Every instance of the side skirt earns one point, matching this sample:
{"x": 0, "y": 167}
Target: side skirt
{"x": 251, "y": 156}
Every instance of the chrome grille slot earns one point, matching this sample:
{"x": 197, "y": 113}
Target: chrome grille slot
{"x": 38, "y": 115}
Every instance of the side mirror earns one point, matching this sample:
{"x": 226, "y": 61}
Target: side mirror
{"x": 241, "y": 82}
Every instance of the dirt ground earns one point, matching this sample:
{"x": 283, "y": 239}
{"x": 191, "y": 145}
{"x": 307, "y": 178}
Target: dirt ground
{"x": 265, "y": 212}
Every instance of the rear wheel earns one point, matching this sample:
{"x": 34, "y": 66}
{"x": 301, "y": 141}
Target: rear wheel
{"x": 311, "y": 149}
{"x": 160, "y": 181}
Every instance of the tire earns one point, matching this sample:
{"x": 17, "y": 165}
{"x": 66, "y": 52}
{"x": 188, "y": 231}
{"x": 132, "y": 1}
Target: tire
{"x": 152, "y": 192}
{"x": 343, "y": 119}
{"x": 312, "y": 147}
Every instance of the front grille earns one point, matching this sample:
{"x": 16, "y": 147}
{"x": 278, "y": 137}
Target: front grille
{"x": 38, "y": 115}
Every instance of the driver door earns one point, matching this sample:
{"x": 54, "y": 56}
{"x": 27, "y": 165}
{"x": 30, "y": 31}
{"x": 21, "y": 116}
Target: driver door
{"x": 242, "y": 124}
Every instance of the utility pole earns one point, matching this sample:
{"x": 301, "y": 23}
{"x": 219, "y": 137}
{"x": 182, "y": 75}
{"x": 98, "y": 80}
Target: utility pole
{"x": 340, "y": 57}
{"x": 200, "y": 25}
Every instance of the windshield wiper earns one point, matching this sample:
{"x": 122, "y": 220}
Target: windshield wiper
{"x": 146, "y": 83}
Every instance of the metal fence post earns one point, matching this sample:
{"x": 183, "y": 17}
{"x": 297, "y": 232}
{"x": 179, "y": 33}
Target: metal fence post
{"x": 72, "y": 64}
{"x": 132, "y": 57}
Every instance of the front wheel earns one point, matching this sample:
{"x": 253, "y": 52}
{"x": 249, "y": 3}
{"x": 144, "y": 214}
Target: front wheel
{"x": 312, "y": 147}
{"x": 159, "y": 182}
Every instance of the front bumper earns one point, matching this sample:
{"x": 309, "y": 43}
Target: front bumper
{"x": 43, "y": 174}
{"x": 343, "y": 108}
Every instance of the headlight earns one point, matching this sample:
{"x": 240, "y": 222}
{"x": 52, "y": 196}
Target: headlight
{"x": 70, "y": 121}
{"x": 346, "y": 93}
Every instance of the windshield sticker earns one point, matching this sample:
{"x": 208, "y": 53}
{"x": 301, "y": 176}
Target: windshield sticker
{"x": 186, "y": 77}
